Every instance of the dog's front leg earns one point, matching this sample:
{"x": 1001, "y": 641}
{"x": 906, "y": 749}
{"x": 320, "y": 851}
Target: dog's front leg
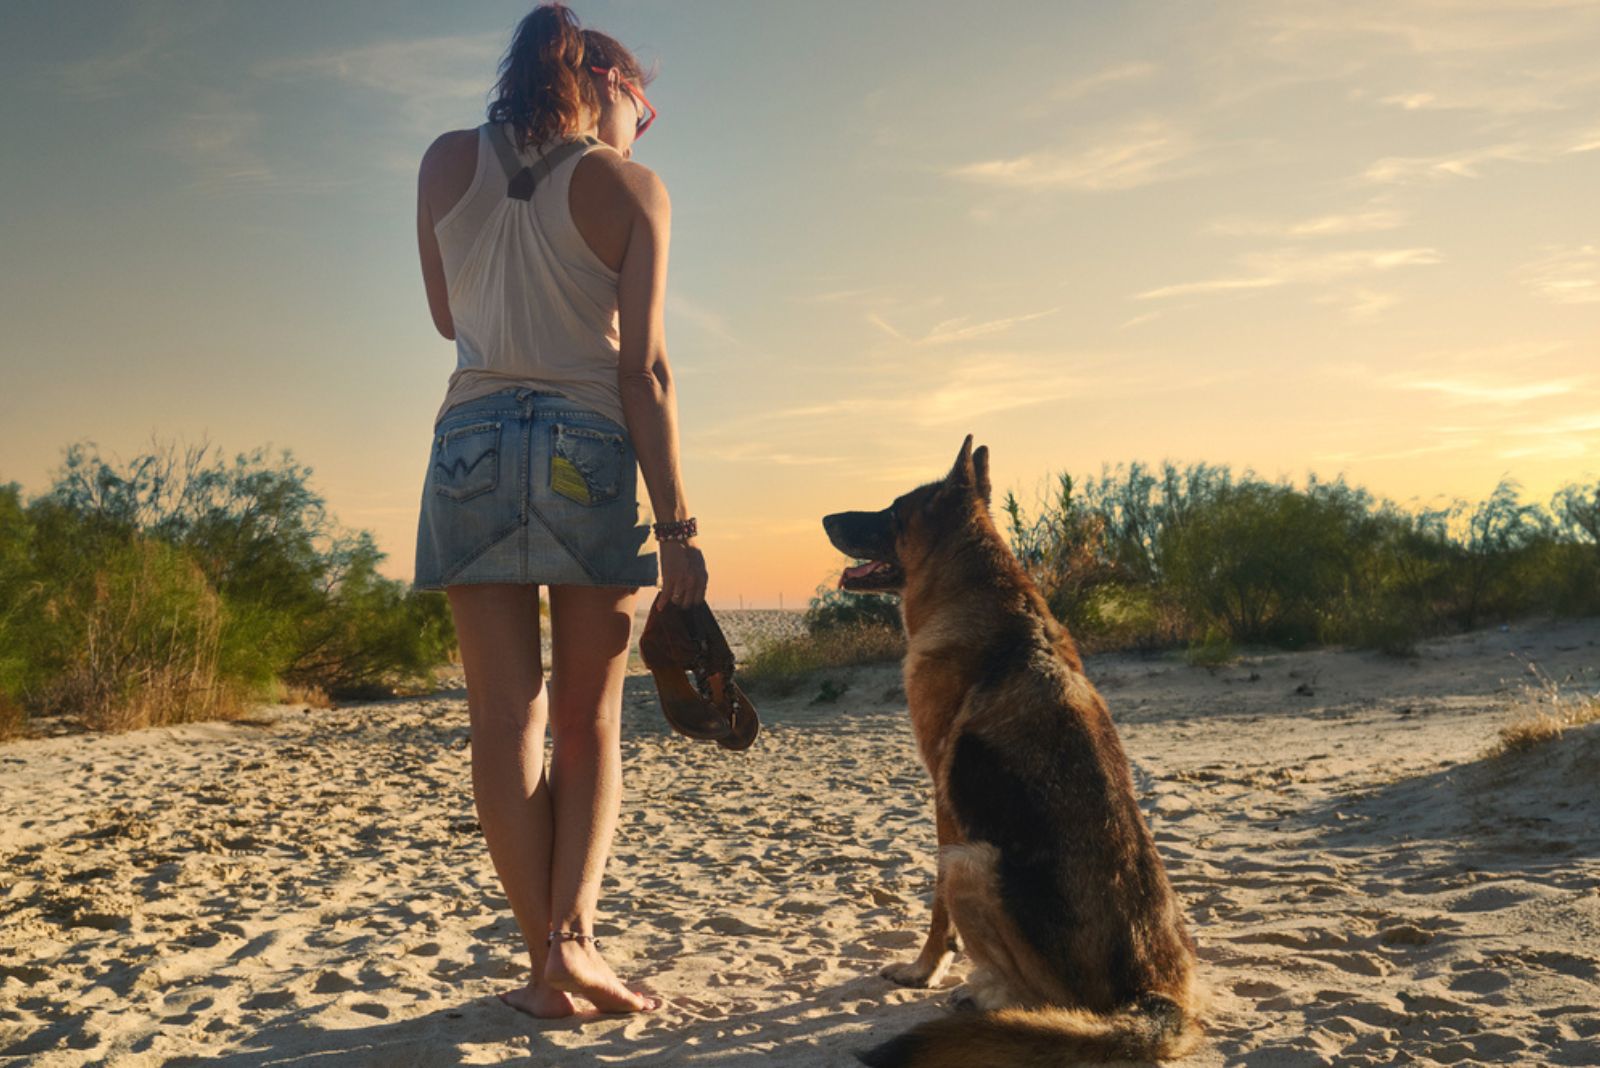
{"x": 943, "y": 943}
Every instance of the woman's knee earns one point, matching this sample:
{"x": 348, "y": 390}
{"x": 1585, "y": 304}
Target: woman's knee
{"x": 509, "y": 714}
{"x": 585, "y": 722}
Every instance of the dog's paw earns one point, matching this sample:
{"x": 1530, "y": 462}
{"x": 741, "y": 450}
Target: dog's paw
{"x": 910, "y": 973}
{"x": 917, "y": 973}
{"x": 961, "y": 1000}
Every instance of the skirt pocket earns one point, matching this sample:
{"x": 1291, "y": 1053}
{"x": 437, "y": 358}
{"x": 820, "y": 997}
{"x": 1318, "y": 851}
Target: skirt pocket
{"x": 466, "y": 460}
{"x": 587, "y": 465}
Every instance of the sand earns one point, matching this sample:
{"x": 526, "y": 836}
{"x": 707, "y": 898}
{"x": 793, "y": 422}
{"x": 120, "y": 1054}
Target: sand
{"x": 309, "y": 887}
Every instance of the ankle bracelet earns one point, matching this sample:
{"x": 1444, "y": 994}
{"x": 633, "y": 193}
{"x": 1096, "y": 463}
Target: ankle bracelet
{"x": 573, "y": 936}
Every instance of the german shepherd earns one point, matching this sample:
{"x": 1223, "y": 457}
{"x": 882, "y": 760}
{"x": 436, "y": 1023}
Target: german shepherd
{"x": 1047, "y": 871}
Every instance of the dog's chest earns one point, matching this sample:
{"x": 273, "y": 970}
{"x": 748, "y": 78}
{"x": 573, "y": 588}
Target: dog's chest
{"x": 935, "y": 692}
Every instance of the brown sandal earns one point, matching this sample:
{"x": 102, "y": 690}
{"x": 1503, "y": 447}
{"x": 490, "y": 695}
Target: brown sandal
{"x": 678, "y": 640}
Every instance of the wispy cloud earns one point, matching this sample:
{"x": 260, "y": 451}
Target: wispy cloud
{"x": 701, "y": 318}
{"x": 977, "y": 386}
{"x": 1484, "y": 389}
{"x": 958, "y": 329}
{"x": 1136, "y": 155}
{"x": 1361, "y": 303}
{"x": 219, "y": 140}
{"x": 1435, "y": 29}
{"x": 152, "y": 46}
{"x": 1121, "y": 74}
{"x": 1405, "y": 453}
{"x": 754, "y": 451}
{"x": 430, "y": 77}
{"x": 1565, "y": 275}
{"x": 1266, "y": 270}
{"x": 1393, "y": 170}
{"x": 1336, "y": 224}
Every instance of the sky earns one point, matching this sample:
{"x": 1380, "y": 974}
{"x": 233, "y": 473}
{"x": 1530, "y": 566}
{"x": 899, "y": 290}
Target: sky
{"x": 1356, "y": 238}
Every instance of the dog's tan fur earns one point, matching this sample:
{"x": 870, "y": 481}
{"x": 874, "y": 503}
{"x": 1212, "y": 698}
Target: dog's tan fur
{"x": 1078, "y": 943}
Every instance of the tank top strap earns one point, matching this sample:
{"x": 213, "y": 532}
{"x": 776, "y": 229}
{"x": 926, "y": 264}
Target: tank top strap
{"x": 521, "y": 178}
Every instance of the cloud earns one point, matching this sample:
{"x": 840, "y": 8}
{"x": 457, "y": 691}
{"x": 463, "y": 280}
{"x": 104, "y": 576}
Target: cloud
{"x": 959, "y": 329}
{"x": 1120, "y": 74}
{"x": 1361, "y": 304}
{"x": 218, "y": 138}
{"x": 1136, "y": 155}
{"x": 701, "y": 317}
{"x": 1484, "y": 389}
{"x": 151, "y": 49}
{"x": 976, "y": 386}
{"x": 1453, "y": 445}
{"x": 1432, "y": 29}
{"x": 1565, "y": 275}
{"x": 431, "y": 77}
{"x": 1396, "y": 170}
{"x": 1334, "y": 225}
{"x": 1283, "y": 267}
{"x": 750, "y": 451}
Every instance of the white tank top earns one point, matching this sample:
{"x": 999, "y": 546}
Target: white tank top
{"x": 531, "y": 302}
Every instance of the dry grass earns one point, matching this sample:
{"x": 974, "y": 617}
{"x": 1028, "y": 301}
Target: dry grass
{"x": 150, "y": 647}
{"x": 781, "y": 666}
{"x": 309, "y": 696}
{"x": 1545, "y": 711}
{"x": 13, "y": 719}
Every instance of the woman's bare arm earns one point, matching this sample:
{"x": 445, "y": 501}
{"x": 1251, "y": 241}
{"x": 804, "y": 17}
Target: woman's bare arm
{"x": 648, "y": 399}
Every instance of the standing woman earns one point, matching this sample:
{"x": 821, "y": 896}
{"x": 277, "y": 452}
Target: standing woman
{"x": 544, "y": 255}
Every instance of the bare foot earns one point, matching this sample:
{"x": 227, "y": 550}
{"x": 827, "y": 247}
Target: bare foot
{"x": 540, "y": 1001}
{"x": 577, "y": 968}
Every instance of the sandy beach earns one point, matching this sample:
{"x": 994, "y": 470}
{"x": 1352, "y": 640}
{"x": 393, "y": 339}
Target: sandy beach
{"x": 309, "y": 886}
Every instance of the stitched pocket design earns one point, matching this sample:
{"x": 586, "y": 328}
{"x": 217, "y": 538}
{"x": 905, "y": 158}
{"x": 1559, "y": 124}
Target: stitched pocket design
{"x": 466, "y": 461}
{"x": 587, "y": 465}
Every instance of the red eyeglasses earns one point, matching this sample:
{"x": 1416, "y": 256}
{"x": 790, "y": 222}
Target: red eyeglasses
{"x": 646, "y": 110}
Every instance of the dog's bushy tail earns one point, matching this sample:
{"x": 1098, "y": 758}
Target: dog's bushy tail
{"x": 1152, "y": 1028}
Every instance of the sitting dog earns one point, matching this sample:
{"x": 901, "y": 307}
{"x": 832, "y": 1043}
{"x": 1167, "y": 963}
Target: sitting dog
{"x": 1046, "y": 867}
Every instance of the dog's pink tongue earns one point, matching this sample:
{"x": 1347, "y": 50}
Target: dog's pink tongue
{"x": 859, "y": 571}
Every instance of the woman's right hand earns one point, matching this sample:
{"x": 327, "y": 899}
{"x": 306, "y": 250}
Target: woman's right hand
{"x": 683, "y": 573}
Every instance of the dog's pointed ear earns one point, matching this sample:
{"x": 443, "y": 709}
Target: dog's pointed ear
{"x": 980, "y": 470}
{"x": 962, "y": 473}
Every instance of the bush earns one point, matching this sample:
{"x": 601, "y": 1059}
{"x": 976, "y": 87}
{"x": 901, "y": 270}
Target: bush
{"x": 1213, "y": 650}
{"x": 779, "y": 667}
{"x": 1143, "y": 557}
{"x": 175, "y": 587}
{"x": 835, "y": 609}
{"x": 136, "y": 643}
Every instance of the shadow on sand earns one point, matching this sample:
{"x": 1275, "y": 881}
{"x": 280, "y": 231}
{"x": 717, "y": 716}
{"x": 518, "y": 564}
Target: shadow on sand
{"x": 442, "y": 1036}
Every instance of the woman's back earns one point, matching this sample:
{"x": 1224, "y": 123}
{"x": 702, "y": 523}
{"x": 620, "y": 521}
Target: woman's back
{"x": 530, "y": 301}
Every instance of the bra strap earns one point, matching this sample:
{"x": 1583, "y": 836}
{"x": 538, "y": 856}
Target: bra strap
{"x": 521, "y": 178}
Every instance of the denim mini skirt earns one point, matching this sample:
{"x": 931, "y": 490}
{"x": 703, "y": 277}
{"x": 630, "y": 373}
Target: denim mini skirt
{"x": 525, "y": 486}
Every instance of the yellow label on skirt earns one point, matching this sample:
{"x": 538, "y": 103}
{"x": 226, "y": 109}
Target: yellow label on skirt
{"x": 567, "y": 480}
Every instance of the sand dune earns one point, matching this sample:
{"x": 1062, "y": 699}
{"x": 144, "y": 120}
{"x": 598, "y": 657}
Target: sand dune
{"x": 310, "y": 887}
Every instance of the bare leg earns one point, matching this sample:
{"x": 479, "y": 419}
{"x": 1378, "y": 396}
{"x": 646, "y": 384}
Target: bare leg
{"x": 591, "y": 626}
{"x": 939, "y": 949}
{"x": 497, "y": 626}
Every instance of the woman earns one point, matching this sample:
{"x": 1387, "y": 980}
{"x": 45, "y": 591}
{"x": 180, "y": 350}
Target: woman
{"x": 544, "y": 256}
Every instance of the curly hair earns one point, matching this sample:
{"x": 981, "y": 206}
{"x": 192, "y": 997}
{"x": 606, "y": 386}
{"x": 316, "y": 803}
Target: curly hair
{"x": 545, "y": 87}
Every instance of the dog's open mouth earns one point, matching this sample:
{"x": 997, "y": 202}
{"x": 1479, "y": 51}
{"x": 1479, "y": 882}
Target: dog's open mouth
{"x": 872, "y": 575}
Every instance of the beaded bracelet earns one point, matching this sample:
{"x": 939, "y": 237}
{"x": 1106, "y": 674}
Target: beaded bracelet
{"x": 679, "y": 530}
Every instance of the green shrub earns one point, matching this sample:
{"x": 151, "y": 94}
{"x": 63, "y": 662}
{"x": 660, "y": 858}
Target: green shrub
{"x": 174, "y": 587}
{"x": 1144, "y": 557}
{"x": 779, "y": 667}
{"x": 135, "y": 642}
{"x": 833, "y": 609}
{"x": 1212, "y": 650}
